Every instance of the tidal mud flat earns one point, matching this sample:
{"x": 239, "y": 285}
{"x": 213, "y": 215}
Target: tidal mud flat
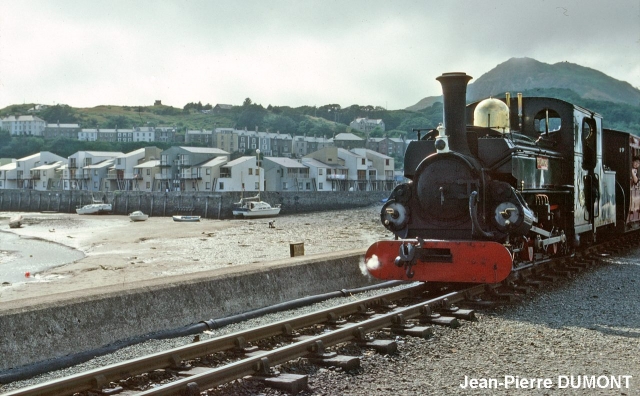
{"x": 119, "y": 251}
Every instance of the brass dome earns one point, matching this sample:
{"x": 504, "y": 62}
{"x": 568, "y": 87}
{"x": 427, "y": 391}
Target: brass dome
{"x": 492, "y": 113}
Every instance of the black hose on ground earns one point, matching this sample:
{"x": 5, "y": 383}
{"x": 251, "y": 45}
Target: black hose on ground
{"x": 25, "y": 372}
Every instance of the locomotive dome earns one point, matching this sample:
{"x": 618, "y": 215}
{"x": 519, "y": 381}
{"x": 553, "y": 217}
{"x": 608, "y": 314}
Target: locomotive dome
{"x": 492, "y": 113}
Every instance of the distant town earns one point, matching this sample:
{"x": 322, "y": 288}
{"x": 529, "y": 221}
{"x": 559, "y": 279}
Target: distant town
{"x": 278, "y": 162}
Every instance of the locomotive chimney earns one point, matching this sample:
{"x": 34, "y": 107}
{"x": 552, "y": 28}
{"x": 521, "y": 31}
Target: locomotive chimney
{"x": 454, "y": 94}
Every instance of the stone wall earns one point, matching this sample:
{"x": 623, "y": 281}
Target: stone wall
{"x": 75, "y": 322}
{"x": 205, "y": 204}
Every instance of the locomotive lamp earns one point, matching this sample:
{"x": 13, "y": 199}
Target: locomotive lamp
{"x": 441, "y": 144}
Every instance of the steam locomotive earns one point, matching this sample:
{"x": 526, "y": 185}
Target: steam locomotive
{"x": 502, "y": 184}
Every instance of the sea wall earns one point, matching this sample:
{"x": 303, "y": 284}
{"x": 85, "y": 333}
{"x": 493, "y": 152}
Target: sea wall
{"x": 85, "y": 320}
{"x": 206, "y": 204}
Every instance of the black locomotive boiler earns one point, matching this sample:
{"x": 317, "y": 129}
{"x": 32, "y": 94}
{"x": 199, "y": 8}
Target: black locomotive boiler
{"x": 502, "y": 183}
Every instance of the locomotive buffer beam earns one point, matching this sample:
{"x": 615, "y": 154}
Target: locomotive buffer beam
{"x": 432, "y": 260}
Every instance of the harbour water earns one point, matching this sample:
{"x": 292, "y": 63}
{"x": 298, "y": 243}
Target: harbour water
{"x": 19, "y": 255}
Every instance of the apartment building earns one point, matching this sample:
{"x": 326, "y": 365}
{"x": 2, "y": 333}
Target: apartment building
{"x": 23, "y": 125}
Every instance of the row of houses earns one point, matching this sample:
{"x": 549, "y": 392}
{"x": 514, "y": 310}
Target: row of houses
{"x": 274, "y": 144}
{"x": 184, "y": 168}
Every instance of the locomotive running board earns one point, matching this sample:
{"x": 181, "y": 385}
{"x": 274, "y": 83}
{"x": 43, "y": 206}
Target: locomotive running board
{"x": 439, "y": 261}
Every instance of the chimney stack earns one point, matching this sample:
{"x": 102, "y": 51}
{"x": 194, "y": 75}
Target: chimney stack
{"x": 454, "y": 94}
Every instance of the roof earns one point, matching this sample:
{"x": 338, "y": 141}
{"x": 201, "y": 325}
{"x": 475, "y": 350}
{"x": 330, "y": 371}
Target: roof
{"x": 343, "y": 152}
{"x": 105, "y": 153}
{"x": 100, "y": 165}
{"x": 56, "y": 125}
{"x": 148, "y": 164}
{"x": 367, "y": 152}
{"x": 241, "y": 160}
{"x": 347, "y": 136}
{"x": 213, "y": 162}
{"x": 9, "y": 166}
{"x": 203, "y": 150}
{"x": 286, "y": 162}
{"x": 134, "y": 152}
{"x": 49, "y": 166}
{"x": 319, "y": 164}
{"x": 26, "y": 118}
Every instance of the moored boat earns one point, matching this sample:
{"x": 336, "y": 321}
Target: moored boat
{"x": 253, "y": 207}
{"x": 189, "y": 219}
{"x": 138, "y": 216}
{"x": 94, "y": 208}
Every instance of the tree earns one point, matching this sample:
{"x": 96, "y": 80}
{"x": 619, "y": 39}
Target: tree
{"x": 59, "y": 113}
{"x": 247, "y": 102}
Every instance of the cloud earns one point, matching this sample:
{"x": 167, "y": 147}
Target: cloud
{"x": 292, "y": 53}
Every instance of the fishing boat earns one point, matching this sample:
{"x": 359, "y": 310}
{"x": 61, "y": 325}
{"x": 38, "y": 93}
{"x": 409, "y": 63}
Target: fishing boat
{"x": 188, "y": 219}
{"x": 253, "y": 207}
{"x": 138, "y": 216}
{"x": 95, "y": 208}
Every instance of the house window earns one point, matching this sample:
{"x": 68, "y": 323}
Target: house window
{"x": 300, "y": 186}
{"x": 208, "y": 185}
{"x": 95, "y": 184}
{"x": 320, "y": 186}
{"x": 257, "y": 171}
{"x": 386, "y": 162}
{"x": 44, "y": 173}
{"x": 320, "y": 171}
{"x": 148, "y": 172}
{"x": 221, "y": 186}
{"x": 208, "y": 172}
{"x": 44, "y": 184}
{"x": 250, "y": 171}
{"x": 148, "y": 185}
{"x": 95, "y": 172}
{"x": 285, "y": 185}
{"x": 257, "y": 186}
{"x": 363, "y": 161}
{"x": 308, "y": 186}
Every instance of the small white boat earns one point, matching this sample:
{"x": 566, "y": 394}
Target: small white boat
{"x": 15, "y": 221}
{"x": 189, "y": 219}
{"x": 253, "y": 207}
{"x": 138, "y": 216}
{"x": 94, "y": 208}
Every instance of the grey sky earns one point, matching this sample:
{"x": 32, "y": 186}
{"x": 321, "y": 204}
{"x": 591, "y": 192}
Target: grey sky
{"x": 293, "y": 53}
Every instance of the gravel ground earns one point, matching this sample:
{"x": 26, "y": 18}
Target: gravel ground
{"x": 587, "y": 326}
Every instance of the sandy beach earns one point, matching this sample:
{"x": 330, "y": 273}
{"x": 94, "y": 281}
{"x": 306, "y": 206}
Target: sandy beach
{"x": 119, "y": 251}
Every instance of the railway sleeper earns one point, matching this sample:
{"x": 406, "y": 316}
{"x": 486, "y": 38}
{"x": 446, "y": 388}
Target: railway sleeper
{"x": 346, "y": 363}
{"x": 401, "y": 326}
{"x": 428, "y": 316}
{"x": 459, "y": 313}
{"x": 290, "y": 383}
{"x": 383, "y": 347}
{"x": 496, "y": 295}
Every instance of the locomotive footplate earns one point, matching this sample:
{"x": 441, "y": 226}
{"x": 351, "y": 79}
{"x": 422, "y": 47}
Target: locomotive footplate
{"x": 439, "y": 261}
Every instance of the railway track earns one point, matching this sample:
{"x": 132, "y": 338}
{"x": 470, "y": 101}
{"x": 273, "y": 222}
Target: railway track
{"x": 371, "y": 323}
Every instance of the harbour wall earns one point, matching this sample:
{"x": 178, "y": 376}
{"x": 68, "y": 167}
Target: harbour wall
{"x": 206, "y": 204}
{"x": 85, "y": 320}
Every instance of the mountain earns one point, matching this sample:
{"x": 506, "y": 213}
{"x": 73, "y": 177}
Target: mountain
{"x": 526, "y": 74}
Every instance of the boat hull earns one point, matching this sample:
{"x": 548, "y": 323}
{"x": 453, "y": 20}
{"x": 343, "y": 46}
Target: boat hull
{"x": 256, "y": 213}
{"x": 94, "y": 209}
{"x": 186, "y": 219}
{"x": 138, "y": 216}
